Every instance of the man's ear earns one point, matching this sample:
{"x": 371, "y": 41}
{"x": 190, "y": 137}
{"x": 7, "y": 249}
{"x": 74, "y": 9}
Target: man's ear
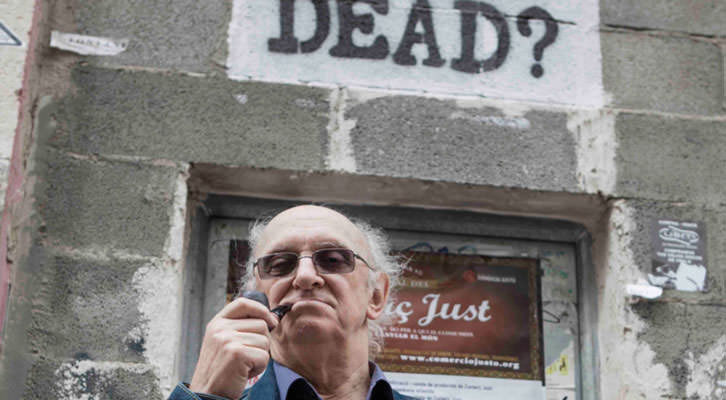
{"x": 378, "y": 297}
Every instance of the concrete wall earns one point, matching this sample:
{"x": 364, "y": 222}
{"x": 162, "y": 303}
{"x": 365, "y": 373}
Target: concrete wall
{"x": 113, "y": 148}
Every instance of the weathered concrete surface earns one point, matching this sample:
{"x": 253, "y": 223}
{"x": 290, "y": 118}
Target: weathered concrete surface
{"x": 662, "y": 73}
{"x": 185, "y": 35}
{"x": 71, "y": 305}
{"x": 644, "y": 215}
{"x": 679, "y": 333}
{"x": 189, "y": 119}
{"x": 89, "y": 286}
{"x": 72, "y": 308}
{"x": 703, "y": 17}
{"x": 594, "y": 132}
{"x": 87, "y": 309}
{"x": 671, "y": 347}
{"x": 686, "y": 164}
{"x": 74, "y": 379}
{"x": 627, "y": 366}
{"x": 86, "y": 202}
{"x": 436, "y": 139}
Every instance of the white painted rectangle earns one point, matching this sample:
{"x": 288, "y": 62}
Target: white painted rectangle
{"x": 570, "y": 65}
{"x": 453, "y": 387}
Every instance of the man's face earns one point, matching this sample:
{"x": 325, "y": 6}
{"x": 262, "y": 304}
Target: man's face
{"x": 323, "y": 304}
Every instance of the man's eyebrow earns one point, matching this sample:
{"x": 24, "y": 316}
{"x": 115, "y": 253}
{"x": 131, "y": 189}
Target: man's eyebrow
{"x": 329, "y": 244}
{"x": 289, "y": 248}
{"x": 282, "y": 249}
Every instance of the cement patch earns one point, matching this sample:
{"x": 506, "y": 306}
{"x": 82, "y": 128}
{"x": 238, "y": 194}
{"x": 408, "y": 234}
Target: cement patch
{"x": 708, "y": 372}
{"x": 160, "y": 298}
{"x": 666, "y": 331}
{"x": 629, "y": 368}
{"x": 687, "y": 339}
{"x": 340, "y": 152}
{"x": 594, "y": 132}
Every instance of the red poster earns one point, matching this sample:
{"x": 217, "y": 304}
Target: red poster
{"x": 466, "y": 315}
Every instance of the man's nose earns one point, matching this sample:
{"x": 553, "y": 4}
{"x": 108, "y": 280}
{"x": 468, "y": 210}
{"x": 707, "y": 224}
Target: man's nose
{"x": 306, "y": 276}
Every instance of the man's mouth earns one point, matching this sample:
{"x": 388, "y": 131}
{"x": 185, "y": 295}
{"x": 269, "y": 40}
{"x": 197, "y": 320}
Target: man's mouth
{"x": 307, "y": 301}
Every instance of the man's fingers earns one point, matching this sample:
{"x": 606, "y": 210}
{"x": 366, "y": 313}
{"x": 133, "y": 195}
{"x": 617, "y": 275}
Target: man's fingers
{"x": 232, "y": 341}
{"x": 252, "y": 325}
{"x": 255, "y": 361}
{"x": 257, "y": 341}
{"x": 236, "y": 346}
{"x": 242, "y": 308}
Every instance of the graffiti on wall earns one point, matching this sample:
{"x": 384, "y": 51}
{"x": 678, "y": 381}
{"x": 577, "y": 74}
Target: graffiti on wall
{"x": 420, "y": 14}
{"x": 7, "y": 38}
{"x": 550, "y": 50}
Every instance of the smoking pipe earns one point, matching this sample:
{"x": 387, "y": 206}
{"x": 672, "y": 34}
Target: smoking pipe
{"x": 260, "y": 297}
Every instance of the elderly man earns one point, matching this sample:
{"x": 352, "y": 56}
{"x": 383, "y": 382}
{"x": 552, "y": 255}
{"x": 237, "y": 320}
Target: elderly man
{"x": 335, "y": 275}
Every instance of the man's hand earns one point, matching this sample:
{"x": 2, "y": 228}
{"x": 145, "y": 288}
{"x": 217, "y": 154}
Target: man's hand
{"x": 236, "y": 346}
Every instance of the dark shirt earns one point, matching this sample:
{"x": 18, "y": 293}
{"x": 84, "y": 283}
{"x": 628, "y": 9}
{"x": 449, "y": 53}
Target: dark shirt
{"x": 293, "y": 386}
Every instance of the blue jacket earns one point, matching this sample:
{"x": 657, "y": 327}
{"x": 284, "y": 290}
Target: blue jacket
{"x": 264, "y": 389}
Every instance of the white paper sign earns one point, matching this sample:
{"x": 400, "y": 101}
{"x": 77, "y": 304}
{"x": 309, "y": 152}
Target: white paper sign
{"x": 87, "y": 45}
{"x": 453, "y": 387}
{"x": 535, "y": 50}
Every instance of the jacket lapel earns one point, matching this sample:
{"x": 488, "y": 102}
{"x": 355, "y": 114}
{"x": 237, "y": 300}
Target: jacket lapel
{"x": 266, "y": 387}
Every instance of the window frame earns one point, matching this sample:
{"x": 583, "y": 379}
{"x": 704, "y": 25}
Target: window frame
{"x": 201, "y": 277}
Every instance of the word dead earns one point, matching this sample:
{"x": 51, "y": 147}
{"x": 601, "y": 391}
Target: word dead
{"x": 471, "y": 12}
{"x": 443, "y": 311}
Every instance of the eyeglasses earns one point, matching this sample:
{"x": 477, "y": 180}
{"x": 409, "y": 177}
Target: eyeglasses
{"x": 326, "y": 261}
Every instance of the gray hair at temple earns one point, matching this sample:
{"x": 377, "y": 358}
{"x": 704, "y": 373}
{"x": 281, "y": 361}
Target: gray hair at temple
{"x": 383, "y": 263}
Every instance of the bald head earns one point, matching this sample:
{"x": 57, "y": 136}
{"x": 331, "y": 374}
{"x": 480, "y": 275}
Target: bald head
{"x": 312, "y": 227}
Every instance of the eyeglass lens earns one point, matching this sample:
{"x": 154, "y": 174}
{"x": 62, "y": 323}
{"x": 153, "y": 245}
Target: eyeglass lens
{"x": 326, "y": 261}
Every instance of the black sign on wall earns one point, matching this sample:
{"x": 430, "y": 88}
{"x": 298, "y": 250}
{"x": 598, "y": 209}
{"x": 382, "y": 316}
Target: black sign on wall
{"x": 679, "y": 255}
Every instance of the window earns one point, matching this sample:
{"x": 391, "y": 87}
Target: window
{"x": 560, "y": 248}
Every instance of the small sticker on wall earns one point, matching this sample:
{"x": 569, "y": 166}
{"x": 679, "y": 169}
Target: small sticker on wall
{"x": 7, "y": 38}
{"x": 679, "y": 255}
{"x": 87, "y": 45}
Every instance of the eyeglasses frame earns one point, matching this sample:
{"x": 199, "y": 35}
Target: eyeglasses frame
{"x": 299, "y": 257}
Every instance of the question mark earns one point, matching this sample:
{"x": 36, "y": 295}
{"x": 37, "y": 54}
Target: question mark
{"x": 549, "y": 37}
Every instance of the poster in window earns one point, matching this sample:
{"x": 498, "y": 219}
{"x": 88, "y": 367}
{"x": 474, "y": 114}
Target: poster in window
{"x": 467, "y": 326}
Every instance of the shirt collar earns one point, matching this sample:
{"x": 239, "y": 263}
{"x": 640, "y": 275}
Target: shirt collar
{"x": 375, "y": 378}
{"x": 285, "y": 377}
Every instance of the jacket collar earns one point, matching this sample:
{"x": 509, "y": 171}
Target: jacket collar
{"x": 266, "y": 387}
